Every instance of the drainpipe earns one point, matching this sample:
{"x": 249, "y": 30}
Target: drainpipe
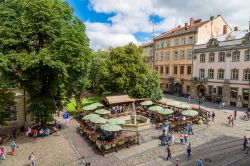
{"x": 24, "y": 105}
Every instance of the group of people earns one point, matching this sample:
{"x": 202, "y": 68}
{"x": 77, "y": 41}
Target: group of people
{"x": 35, "y": 132}
{"x": 13, "y": 147}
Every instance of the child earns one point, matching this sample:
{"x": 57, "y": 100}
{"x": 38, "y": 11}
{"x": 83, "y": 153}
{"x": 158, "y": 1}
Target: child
{"x": 13, "y": 147}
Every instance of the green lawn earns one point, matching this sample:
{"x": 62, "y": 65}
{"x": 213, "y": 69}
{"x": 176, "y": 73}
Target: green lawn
{"x": 85, "y": 101}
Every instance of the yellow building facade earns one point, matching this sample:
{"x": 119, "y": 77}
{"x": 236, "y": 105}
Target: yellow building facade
{"x": 173, "y": 50}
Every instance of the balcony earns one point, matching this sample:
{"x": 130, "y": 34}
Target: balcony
{"x": 200, "y": 80}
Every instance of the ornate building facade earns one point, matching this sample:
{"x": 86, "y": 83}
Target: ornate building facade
{"x": 221, "y": 69}
{"x": 173, "y": 50}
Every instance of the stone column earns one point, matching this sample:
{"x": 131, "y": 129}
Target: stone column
{"x": 226, "y": 92}
{"x": 192, "y": 88}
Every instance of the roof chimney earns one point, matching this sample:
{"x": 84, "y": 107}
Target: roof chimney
{"x": 224, "y": 29}
{"x": 212, "y": 17}
{"x": 191, "y": 21}
{"x": 235, "y": 28}
{"x": 179, "y": 26}
{"x": 218, "y": 15}
{"x": 186, "y": 25}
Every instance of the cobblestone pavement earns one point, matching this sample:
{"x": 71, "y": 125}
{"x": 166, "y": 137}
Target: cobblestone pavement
{"x": 216, "y": 143}
{"x": 49, "y": 151}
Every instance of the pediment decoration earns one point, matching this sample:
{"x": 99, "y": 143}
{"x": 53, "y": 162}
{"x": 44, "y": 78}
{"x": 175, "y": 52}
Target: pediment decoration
{"x": 212, "y": 43}
{"x": 246, "y": 39}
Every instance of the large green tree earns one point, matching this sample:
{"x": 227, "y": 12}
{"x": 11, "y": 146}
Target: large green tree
{"x": 44, "y": 49}
{"x": 6, "y": 100}
{"x": 124, "y": 69}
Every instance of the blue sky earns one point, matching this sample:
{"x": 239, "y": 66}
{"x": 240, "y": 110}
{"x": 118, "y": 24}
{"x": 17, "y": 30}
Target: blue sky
{"x": 118, "y": 22}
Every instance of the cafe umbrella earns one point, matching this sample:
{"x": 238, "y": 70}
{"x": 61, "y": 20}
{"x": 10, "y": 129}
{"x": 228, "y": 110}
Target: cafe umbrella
{"x": 111, "y": 127}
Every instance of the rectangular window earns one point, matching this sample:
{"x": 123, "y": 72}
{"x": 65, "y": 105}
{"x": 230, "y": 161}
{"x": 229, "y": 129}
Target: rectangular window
{"x": 182, "y": 70}
{"x": 214, "y": 90}
{"x": 188, "y": 89}
{"x": 219, "y": 91}
{"x": 210, "y": 73}
{"x": 202, "y": 58}
{"x": 168, "y": 43}
{"x": 211, "y": 57}
{"x": 175, "y": 55}
{"x": 183, "y": 40}
{"x": 161, "y": 54}
{"x": 190, "y": 40}
{"x": 11, "y": 113}
{"x": 176, "y": 41}
{"x": 182, "y": 54}
{"x": 156, "y": 56}
{"x": 162, "y": 44}
{"x": 202, "y": 73}
{"x": 234, "y": 92}
{"x": 167, "y": 69}
{"x": 221, "y": 74}
{"x": 236, "y": 56}
{"x": 167, "y": 56}
{"x": 189, "y": 54}
{"x": 175, "y": 70}
{"x": 161, "y": 70}
{"x": 210, "y": 90}
{"x": 166, "y": 85}
{"x": 221, "y": 57}
{"x": 247, "y": 74}
{"x": 188, "y": 70}
{"x": 156, "y": 69}
{"x": 234, "y": 74}
{"x": 247, "y": 55}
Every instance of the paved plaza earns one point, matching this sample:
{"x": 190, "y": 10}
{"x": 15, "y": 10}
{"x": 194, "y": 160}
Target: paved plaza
{"x": 216, "y": 143}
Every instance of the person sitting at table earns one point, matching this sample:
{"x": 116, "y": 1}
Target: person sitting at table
{"x": 47, "y": 132}
{"x": 29, "y": 131}
{"x": 41, "y": 132}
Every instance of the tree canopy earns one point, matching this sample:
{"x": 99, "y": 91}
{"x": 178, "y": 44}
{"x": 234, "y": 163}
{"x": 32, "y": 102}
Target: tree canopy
{"x": 124, "y": 69}
{"x": 44, "y": 49}
{"x": 6, "y": 100}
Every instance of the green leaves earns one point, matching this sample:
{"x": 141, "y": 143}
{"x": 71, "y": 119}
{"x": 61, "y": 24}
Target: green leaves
{"x": 44, "y": 49}
{"x": 123, "y": 69}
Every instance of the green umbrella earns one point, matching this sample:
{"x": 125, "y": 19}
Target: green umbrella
{"x": 111, "y": 127}
{"x": 183, "y": 105}
{"x": 89, "y": 107}
{"x": 165, "y": 111}
{"x": 173, "y": 103}
{"x": 90, "y": 116}
{"x": 98, "y": 120}
{"x": 155, "y": 108}
{"x": 146, "y": 103}
{"x": 190, "y": 113}
{"x": 102, "y": 111}
{"x": 116, "y": 121}
{"x": 97, "y": 104}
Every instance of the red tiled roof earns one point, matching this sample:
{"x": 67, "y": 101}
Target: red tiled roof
{"x": 176, "y": 30}
{"x": 147, "y": 44}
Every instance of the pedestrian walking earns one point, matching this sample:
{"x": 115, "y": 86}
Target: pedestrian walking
{"x": 200, "y": 162}
{"x": 168, "y": 152}
{"x": 171, "y": 139}
{"x": 235, "y": 114}
{"x": 213, "y": 116}
{"x": 13, "y": 130}
{"x": 35, "y": 133}
{"x": 177, "y": 162}
{"x": 32, "y": 159}
{"x": 189, "y": 98}
{"x": 232, "y": 121}
{"x": 189, "y": 150}
{"x": 245, "y": 143}
{"x": 2, "y": 153}
{"x": 13, "y": 147}
{"x": 229, "y": 120}
{"x": 223, "y": 105}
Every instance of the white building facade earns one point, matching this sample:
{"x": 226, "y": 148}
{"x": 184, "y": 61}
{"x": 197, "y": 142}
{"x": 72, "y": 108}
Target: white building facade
{"x": 221, "y": 69}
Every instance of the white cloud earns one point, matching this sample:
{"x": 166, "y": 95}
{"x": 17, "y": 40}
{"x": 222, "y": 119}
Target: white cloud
{"x": 132, "y": 16}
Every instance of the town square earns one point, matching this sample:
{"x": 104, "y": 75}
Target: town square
{"x": 124, "y": 83}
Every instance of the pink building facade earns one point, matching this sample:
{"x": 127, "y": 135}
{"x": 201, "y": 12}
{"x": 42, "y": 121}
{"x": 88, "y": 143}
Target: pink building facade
{"x": 221, "y": 69}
